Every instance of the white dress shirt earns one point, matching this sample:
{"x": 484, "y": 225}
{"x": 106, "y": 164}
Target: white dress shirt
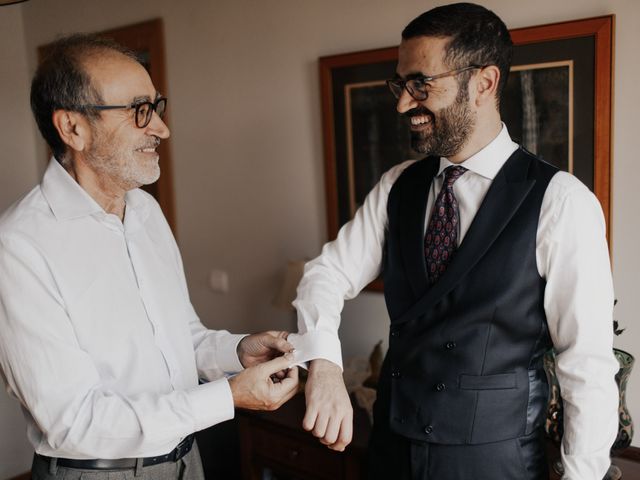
{"x": 571, "y": 255}
{"x": 98, "y": 339}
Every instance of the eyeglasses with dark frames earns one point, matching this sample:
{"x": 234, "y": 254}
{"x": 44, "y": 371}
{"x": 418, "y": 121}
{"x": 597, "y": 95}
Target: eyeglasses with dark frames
{"x": 143, "y": 110}
{"x": 417, "y": 87}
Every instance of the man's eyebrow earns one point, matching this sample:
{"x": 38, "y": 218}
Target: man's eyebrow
{"x": 410, "y": 76}
{"x": 414, "y": 75}
{"x": 142, "y": 98}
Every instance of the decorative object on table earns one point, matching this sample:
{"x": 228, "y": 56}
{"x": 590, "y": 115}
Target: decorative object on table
{"x": 554, "y": 421}
{"x": 361, "y": 378}
{"x": 375, "y": 364}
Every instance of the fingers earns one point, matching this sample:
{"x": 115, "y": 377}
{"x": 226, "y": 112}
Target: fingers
{"x": 345, "y": 434}
{"x": 309, "y": 420}
{"x": 277, "y": 341}
{"x": 285, "y": 388}
{"x": 332, "y": 430}
{"x": 290, "y": 382}
{"x": 277, "y": 364}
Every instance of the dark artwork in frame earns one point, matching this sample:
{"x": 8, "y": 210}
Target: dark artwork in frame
{"x": 547, "y": 110}
{"x": 557, "y": 104}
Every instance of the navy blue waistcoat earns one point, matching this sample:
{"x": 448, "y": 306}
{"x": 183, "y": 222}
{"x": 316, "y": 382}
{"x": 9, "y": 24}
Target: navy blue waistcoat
{"x": 464, "y": 364}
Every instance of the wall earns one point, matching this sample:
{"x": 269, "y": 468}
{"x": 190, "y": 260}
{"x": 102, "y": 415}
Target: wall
{"x": 247, "y": 146}
{"x": 17, "y": 175}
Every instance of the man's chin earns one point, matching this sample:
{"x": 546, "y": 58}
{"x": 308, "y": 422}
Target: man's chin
{"x": 421, "y": 146}
{"x": 147, "y": 178}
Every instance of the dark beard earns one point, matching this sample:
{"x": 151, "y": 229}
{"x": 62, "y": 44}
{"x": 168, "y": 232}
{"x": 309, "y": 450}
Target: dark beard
{"x": 452, "y": 127}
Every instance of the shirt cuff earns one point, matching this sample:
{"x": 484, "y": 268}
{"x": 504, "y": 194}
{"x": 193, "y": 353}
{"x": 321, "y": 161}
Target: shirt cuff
{"x": 316, "y": 344}
{"x": 212, "y": 403}
{"x": 227, "y": 353}
{"x": 585, "y": 467}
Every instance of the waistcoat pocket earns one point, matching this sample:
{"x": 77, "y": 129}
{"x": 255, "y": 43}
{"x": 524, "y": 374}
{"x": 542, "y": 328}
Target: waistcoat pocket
{"x": 501, "y": 381}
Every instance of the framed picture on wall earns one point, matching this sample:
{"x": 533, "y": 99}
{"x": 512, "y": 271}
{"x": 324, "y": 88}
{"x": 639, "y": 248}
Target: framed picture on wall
{"x": 557, "y": 103}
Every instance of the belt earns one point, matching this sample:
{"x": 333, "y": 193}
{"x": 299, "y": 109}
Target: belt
{"x": 174, "y": 455}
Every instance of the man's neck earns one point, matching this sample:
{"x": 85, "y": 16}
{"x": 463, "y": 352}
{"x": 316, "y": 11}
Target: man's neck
{"x": 485, "y": 132}
{"x": 99, "y": 187}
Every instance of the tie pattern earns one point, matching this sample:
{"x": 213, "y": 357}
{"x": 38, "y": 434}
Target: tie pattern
{"x": 441, "y": 239}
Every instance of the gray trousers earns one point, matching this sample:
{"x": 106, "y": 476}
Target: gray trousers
{"x": 188, "y": 467}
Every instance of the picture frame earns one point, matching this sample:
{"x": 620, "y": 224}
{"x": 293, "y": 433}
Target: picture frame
{"x": 567, "y": 66}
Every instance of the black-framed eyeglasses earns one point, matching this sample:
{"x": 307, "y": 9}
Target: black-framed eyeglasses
{"x": 144, "y": 110}
{"x": 417, "y": 87}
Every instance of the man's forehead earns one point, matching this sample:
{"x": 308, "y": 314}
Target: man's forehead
{"x": 119, "y": 78}
{"x": 421, "y": 55}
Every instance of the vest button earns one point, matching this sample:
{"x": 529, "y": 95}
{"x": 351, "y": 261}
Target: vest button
{"x": 450, "y": 345}
{"x": 395, "y": 333}
{"x": 395, "y": 374}
{"x": 428, "y": 429}
{"x": 440, "y": 387}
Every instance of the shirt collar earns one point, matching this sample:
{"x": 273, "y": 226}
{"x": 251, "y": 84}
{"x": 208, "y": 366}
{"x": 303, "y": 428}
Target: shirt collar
{"x": 68, "y": 200}
{"x": 488, "y": 161}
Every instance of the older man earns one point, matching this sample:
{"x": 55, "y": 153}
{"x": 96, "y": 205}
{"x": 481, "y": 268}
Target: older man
{"x": 98, "y": 339}
{"x": 489, "y": 257}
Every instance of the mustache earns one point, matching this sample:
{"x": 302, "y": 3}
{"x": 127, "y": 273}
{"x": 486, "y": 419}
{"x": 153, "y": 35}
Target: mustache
{"x": 419, "y": 110}
{"x": 155, "y": 142}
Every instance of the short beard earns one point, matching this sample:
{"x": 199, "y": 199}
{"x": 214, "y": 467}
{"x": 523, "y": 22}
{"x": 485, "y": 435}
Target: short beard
{"x": 452, "y": 127}
{"x": 130, "y": 174}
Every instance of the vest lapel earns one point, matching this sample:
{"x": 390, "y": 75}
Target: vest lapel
{"x": 507, "y": 192}
{"x": 412, "y": 217}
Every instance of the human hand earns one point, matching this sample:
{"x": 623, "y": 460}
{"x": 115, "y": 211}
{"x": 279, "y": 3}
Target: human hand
{"x": 254, "y": 388}
{"x": 329, "y": 414}
{"x": 262, "y": 347}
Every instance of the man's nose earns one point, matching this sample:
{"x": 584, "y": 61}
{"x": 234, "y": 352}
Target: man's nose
{"x": 157, "y": 127}
{"x": 405, "y": 102}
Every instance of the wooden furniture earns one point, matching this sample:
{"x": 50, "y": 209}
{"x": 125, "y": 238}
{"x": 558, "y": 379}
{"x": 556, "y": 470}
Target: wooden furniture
{"x": 275, "y": 442}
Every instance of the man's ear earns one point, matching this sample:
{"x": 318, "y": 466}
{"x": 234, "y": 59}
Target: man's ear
{"x": 487, "y": 82}
{"x": 73, "y": 128}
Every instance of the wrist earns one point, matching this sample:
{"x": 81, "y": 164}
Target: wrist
{"x": 322, "y": 365}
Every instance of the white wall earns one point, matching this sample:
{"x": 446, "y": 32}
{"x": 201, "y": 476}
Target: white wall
{"x": 17, "y": 175}
{"x": 247, "y": 147}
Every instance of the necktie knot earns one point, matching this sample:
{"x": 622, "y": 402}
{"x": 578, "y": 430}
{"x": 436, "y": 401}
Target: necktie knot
{"x": 453, "y": 173}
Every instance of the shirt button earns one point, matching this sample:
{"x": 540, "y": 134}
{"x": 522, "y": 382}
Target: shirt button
{"x": 440, "y": 387}
{"x": 395, "y": 333}
{"x": 395, "y": 374}
{"x": 428, "y": 429}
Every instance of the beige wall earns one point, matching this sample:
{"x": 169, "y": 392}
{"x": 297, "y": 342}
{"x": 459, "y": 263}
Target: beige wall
{"x": 17, "y": 175}
{"x": 247, "y": 147}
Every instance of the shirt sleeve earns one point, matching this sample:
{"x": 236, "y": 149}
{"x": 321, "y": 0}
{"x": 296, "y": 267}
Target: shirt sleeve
{"x": 574, "y": 259}
{"x": 345, "y": 266}
{"x": 57, "y": 382}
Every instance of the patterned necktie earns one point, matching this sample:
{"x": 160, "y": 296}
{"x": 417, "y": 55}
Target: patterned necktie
{"x": 441, "y": 239}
